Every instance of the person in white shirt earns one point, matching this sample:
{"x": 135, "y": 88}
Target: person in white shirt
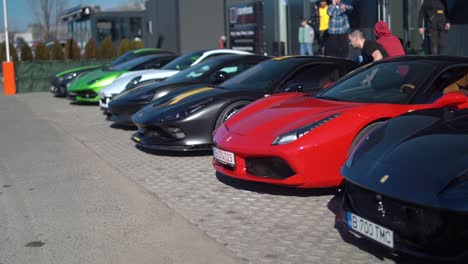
{"x": 306, "y": 38}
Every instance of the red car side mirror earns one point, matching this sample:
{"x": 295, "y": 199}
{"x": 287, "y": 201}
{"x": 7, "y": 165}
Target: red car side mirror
{"x": 451, "y": 99}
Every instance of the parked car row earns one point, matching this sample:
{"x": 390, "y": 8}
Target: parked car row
{"x": 392, "y": 134}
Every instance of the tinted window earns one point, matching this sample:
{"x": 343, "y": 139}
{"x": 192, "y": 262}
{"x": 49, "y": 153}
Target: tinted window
{"x": 391, "y": 82}
{"x": 132, "y": 64}
{"x": 153, "y": 64}
{"x": 262, "y": 76}
{"x": 184, "y": 61}
{"x": 216, "y": 55}
{"x": 314, "y": 77}
{"x": 451, "y": 80}
{"x": 125, "y": 57}
{"x": 195, "y": 72}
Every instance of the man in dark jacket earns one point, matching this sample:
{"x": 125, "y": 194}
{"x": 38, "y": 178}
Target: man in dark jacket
{"x": 434, "y": 15}
{"x": 370, "y": 50}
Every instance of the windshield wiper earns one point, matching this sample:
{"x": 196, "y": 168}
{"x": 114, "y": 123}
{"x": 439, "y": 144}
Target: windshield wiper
{"x": 333, "y": 99}
{"x": 325, "y": 97}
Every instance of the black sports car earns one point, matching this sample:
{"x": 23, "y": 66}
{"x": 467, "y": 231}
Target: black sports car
{"x": 406, "y": 184}
{"x": 60, "y": 80}
{"x": 186, "y": 121}
{"x": 210, "y": 72}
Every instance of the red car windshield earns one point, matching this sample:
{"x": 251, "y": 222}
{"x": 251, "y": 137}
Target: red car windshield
{"x": 388, "y": 82}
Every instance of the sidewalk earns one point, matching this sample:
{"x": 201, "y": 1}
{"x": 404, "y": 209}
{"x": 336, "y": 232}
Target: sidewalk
{"x": 60, "y": 202}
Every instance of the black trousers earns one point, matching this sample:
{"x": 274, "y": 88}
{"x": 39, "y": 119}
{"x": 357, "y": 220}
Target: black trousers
{"x": 321, "y": 39}
{"x": 337, "y": 45}
{"x": 436, "y": 40}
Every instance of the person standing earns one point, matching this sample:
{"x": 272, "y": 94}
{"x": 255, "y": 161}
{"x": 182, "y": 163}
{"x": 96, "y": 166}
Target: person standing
{"x": 434, "y": 15}
{"x": 324, "y": 20}
{"x": 338, "y": 27}
{"x": 370, "y": 50}
{"x": 306, "y": 38}
{"x": 387, "y": 40}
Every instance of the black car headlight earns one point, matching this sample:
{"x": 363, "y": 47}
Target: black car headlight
{"x": 189, "y": 111}
{"x": 297, "y": 133}
{"x": 68, "y": 77}
{"x": 369, "y": 140}
{"x": 158, "y": 95}
{"x": 145, "y": 96}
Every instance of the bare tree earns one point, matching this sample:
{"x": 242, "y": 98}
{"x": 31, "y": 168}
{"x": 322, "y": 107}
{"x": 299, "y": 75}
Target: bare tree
{"x": 42, "y": 9}
{"x": 59, "y": 9}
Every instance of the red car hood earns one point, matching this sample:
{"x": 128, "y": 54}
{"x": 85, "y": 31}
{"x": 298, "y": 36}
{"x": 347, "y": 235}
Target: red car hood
{"x": 287, "y": 115}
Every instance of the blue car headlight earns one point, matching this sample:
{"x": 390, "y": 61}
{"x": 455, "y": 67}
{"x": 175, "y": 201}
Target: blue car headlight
{"x": 189, "y": 111}
{"x": 295, "y": 134}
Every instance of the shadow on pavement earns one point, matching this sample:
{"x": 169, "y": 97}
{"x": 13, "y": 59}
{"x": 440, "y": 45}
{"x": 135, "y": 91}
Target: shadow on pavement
{"x": 84, "y": 103}
{"x": 169, "y": 153}
{"x": 123, "y": 127}
{"x": 259, "y": 187}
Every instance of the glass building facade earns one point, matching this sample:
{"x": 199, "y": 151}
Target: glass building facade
{"x": 85, "y": 23}
{"x": 117, "y": 27}
{"x": 80, "y": 31}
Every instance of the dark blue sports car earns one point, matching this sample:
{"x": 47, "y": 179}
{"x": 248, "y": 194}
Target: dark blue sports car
{"x": 406, "y": 184}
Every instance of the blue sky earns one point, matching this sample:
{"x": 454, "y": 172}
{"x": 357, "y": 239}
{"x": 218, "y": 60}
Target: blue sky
{"x": 20, "y": 14}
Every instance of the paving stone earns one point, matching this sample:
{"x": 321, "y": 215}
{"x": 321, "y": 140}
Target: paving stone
{"x": 260, "y": 223}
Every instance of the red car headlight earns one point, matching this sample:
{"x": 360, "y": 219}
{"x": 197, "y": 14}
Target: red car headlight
{"x": 297, "y": 133}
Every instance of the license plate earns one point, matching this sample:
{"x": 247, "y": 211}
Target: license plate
{"x": 370, "y": 230}
{"x": 224, "y": 157}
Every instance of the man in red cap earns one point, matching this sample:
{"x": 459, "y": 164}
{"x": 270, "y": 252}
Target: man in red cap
{"x": 389, "y": 42}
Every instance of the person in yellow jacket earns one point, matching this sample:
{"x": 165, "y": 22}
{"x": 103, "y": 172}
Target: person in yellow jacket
{"x": 324, "y": 20}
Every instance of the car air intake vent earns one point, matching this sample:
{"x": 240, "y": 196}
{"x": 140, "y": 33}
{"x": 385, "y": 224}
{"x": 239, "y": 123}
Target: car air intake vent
{"x": 269, "y": 167}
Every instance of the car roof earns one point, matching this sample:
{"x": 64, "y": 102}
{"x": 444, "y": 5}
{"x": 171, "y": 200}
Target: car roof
{"x": 151, "y": 50}
{"x": 237, "y": 57}
{"x": 214, "y": 51}
{"x": 158, "y": 55}
{"x": 427, "y": 58}
{"x": 313, "y": 59}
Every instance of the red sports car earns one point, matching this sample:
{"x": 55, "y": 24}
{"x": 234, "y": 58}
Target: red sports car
{"x": 301, "y": 140}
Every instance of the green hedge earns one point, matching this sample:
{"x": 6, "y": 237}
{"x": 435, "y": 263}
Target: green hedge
{"x": 34, "y": 76}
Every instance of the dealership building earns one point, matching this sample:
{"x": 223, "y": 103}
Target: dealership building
{"x": 260, "y": 26}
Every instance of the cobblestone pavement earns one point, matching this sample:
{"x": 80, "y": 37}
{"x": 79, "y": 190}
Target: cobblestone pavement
{"x": 260, "y": 223}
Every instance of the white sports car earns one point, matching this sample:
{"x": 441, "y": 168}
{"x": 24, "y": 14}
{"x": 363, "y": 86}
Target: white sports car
{"x": 132, "y": 79}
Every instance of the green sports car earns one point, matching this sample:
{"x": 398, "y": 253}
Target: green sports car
{"x": 86, "y": 88}
{"x": 60, "y": 80}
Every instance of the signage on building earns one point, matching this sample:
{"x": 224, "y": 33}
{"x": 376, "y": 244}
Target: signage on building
{"x": 246, "y": 27}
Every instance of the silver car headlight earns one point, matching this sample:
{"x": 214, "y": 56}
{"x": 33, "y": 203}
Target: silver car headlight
{"x": 297, "y": 133}
{"x": 133, "y": 83}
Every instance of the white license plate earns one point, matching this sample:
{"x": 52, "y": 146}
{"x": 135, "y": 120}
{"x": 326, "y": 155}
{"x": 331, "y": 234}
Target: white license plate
{"x": 223, "y": 156}
{"x": 370, "y": 230}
